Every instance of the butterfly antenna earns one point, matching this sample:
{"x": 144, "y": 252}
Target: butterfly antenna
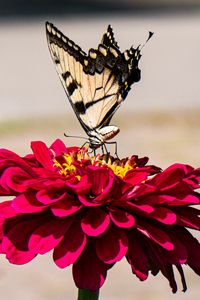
{"x": 75, "y": 136}
{"x": 149, "y": 37}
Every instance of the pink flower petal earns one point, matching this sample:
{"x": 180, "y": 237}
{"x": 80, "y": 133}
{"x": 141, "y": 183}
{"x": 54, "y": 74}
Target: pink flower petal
{"x": 14, "y": 255}
{"x": 70, "y": 248}
{"x": 158, "y": 262}
{"x": 65, "y": 207}
{"x": 16, "y": 236}
{"x": 180, "y": 254}
{"x": 13, "y": 179}
{"x": 136, "y": 176}
{"x": 6, "y": 210}
{"x": 157, "y": 235}
{"x": 164, "y": 215}
{"x": 170, "y": 200}
{"x": 9, "y": 158}
{"x": 188, "y": 217}
{"x": 27, "y": 203}
{"x": 112, "y": 245}
{"x": 100, "y": 179}
{"x": 42, "y": 154}
{"x": 81, "y": 187}
{"x": 137, "y": 257}
{"x": 95, "y": 222}
{"x": 50, "y": 196}
{"x": 88, "y": 201}
{"x": 48, "y": 235}
{"x": 171, "y": 176}
{"x": 138, "y": 208}
{"x": 193, "y": 248}
{"x": 184, "y": 200}
{"x": 58, "y": 147}
{"x": 122, "y": 218}
{"x": 104, "y": 184}
{"x": 89, "y": 271}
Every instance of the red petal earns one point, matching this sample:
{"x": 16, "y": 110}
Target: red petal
{"x": 104, "y": 184}
{"x": 112, "y": 245}
{"x": 70, "y": 248}
{"x": 137, "y": 257}
{"x": 164, "y": 215}
{"x": 80, "y": 188}
{"x": 136, "y": 176}
{"x": 66, "y": 207}
{"x": 42, "y": 154}
{"x": 158, "y": 261}
{"x": 47, "y": 236}
{"x": 50, "y": 196}
{"x": 171, "y": 176}
{"x": 27, "y": 203}
{"x": 16, "y": 237}
{"x": 171, "y": 200}
{"x": 99, "y": 178}
{"x": 137, "y": 208}
{"x": 122, "y": 218}
{"x": 89, "y": 271}
{"x": 13, "y": 179}
{"x": 9, "y": 158}
{"x": 188, "y": 217}
{"x": 6, "y": 210}
{"x": 193, "y": 248}
{"x": 180, "y": 254}
{"x": 14, "y": 255}
{"x": 58, "y": 147}
{"x": 95, "y": 222}
{"x": 155, "y": 234}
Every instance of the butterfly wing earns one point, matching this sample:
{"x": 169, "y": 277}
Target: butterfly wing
{"x": 95, "y": 83}
{"x": 108, "y": 38}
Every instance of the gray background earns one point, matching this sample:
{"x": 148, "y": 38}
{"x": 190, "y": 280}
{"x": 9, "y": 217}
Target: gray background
{"x": 160, "y": 117}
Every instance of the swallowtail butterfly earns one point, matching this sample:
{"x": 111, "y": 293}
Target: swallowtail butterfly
{"x": 95, "y": 83}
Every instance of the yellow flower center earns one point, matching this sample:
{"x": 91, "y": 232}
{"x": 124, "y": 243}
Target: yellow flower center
{"x": 67, "y": 164}
{"x": 66, "y": 167}
{"x": 121, "y": 171}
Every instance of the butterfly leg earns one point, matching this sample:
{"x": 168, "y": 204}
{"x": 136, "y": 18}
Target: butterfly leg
{"x": 102, "y": 149}
{"x": 83, "y": 145}
{"x": 113, "y": 143}
{"x": 106, "y": 149}
{"x": 116, "y": 149}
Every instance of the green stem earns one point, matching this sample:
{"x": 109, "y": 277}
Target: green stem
{"x": 84, "y": 294}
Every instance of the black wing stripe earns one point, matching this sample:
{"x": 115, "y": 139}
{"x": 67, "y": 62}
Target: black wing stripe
{"x": 91, "y": 103}
{"x": 108, "y": 115}
{"x": 95, "y": 83}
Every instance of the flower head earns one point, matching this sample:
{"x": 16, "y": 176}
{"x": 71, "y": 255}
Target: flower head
{"x": 94, "y": 210}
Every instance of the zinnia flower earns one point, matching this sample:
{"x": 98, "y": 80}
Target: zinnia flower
{"x": 92, "y": 211}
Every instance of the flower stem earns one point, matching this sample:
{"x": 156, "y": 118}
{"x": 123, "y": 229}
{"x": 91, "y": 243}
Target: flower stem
{"x": 84, "y": 294}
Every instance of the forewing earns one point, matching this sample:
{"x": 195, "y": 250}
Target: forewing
{"x": 69, "y": 61}
{"x": 95, "y": 83}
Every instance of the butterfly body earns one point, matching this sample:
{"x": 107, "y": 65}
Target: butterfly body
{"x": 95, "y": 83}
{"x": 100, "y": 136}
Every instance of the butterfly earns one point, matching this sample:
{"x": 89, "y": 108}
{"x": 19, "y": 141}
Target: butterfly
{"x": 95, "y": 83}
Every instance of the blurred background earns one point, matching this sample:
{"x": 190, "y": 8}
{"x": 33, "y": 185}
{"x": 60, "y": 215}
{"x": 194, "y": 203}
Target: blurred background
{"x": 159, "y": 119}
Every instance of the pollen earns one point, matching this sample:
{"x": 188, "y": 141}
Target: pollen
{"x": 66, "y": 167}
{"x": 121, "y": 171}
{"x": 70, "y": 163}
{"x": 119, "y": 167}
